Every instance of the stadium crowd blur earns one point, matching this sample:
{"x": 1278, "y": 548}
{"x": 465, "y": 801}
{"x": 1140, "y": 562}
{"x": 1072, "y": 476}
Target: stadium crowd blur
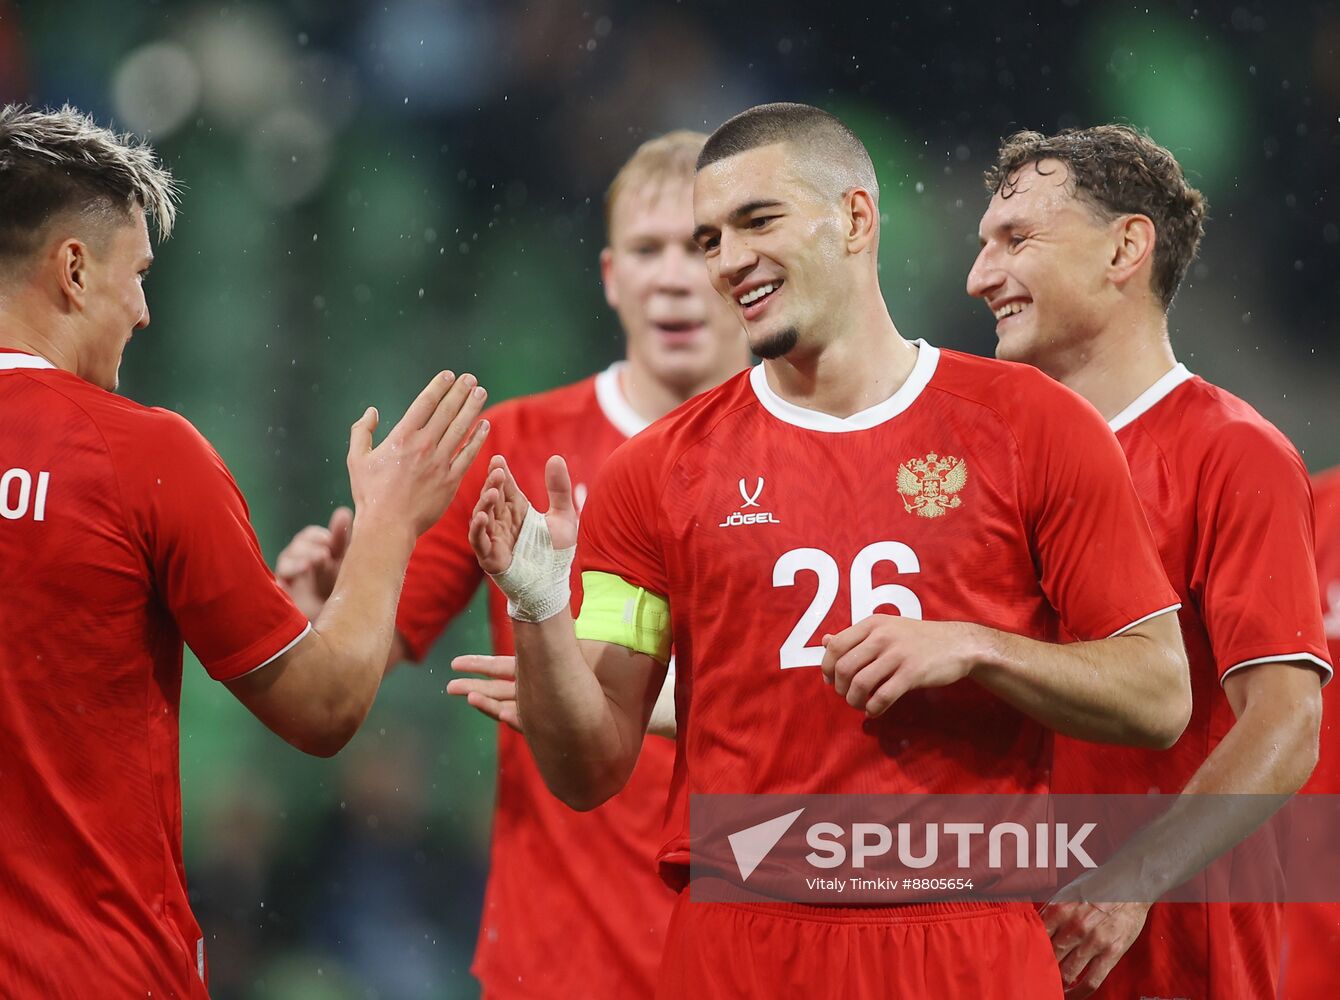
{"x": 374, "y": 191}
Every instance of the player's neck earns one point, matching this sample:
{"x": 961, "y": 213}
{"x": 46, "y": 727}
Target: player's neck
{"x": 1113, "y": 369}
{"x": 18, "y": 333}
{"x": 652, "y": 398}
{"x": 856, "y": 369}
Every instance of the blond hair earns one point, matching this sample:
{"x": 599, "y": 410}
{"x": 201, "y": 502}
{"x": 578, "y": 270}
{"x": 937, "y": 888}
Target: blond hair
{"x": 58, "y": 162}
{"x": 657, "y": 162}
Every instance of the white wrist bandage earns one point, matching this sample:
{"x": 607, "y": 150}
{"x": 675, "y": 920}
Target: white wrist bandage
{"x": 536, "y": 583}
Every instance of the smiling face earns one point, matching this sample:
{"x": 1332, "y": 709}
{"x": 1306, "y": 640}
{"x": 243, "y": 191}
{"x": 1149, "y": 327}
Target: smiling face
{"x": 1043, "y": 267}
{"x": 114, "y": 304}
{"x": 773, "y": 246}
{"x": 678, "y": 329}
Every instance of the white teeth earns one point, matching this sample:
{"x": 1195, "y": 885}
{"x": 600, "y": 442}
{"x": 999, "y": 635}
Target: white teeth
{"x": 1009, "y": 309}
{"x": 748, "y": 298}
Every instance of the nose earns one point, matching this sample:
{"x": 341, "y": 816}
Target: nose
{"x": 984, "y": 276}
{"x": 735, "y": 258}
{"x": 143, "y": 321}
{"x": 675, "y": 272}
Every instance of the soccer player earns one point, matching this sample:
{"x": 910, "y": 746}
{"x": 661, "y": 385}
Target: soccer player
{"x": 1312, "y": 930}
{"x": 123, "y": 535}
{"x": 769, "y": 526}
{"x": 1083, "y": 245}
{"x": 573, "y": 905}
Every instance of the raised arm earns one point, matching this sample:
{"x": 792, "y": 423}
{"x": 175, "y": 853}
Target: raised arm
{"x": 310, "y": 563}
{"x": 586, "y": 703}
{"x": 316, "y": 694}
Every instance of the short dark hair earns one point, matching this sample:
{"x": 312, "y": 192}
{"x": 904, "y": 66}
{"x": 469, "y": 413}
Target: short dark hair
{"x": 1118, "y": 170}
{"x": 54, "y": 162}
{"x": 811, "y": 129}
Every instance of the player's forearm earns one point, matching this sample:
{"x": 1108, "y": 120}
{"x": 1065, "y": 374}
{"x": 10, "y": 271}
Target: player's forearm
{"x": 662, "y": 721}
{"x": 1266, "y": 757}
{"x": 583, "y": 747}
{"x": 1131, "y": 689}
{"x": 356, "y": 631}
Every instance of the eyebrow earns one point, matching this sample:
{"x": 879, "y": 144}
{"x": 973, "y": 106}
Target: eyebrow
{"x": 748, "y": 208}
{"x": 1013, "y": 222}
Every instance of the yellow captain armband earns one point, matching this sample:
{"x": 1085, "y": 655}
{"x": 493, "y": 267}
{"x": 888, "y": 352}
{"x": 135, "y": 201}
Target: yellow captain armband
{"x": 613, "y": 610}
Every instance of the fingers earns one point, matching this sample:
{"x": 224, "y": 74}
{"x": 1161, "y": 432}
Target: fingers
{"x": 837, "y": 646}
{"x": 1068, "y": 925}
{"x": 341, "y": 526}
{"x": 426, "y": 403}
{"x": 500, "y": 711}
{"x": 310, "y": 547}
{"x": 499, "y": 667}
{"x": 511, "y": 504}
{"x": 480, "y": 538}
{"x": 1074, "y": 967}
{"x": 360, "y": 435}
{"x": 1094, "y": 975}
{"x": 466, "y": 456}
{"x": 846, "y": 653}
{"x": 457, "y": 413}
{"x": 506, "y": 482}
{"x": 559, "y": 486}
{"x": 497, "y": 690}
{"x": 886, "y": 693}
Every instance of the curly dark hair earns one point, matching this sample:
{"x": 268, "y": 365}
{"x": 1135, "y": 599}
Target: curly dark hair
{"x": 1118, "y": 170}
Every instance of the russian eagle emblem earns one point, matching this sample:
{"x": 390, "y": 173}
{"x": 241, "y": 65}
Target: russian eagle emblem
{"x": 930, "y": 485}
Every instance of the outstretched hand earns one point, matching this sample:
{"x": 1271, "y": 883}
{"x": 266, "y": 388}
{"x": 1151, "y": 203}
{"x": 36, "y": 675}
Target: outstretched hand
{"x": 411, "y": 477}
{"x": 501, "y": 511}
{"x": 494, "y": 693}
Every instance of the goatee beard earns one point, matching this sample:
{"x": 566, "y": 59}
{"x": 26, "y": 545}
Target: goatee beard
{"x": 776, "y": 346}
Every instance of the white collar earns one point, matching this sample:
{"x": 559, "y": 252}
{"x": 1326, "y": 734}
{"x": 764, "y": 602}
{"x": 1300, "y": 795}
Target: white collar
{"x": 928, "y": 357}
{"x": 9, "y": 359}
{"x": 614, "y": 404}
{"x": 1151, "y": 396}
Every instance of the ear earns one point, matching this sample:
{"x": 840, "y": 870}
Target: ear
{"x": 72, "y": 261}
{"x": 606, "y": 270}
{"x": 1132, "y": 248}
{"x": 862, "y": 219}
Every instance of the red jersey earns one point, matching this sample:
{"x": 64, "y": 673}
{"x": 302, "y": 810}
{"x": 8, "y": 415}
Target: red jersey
{"x": 1326, "y": 778}
{"x": 573, "y": 906}
{"x": 1312, "y": 930}
{"x": 980, "y": 491}
{"x": 1228, "y": 500}
{"x": 123, "y": 535}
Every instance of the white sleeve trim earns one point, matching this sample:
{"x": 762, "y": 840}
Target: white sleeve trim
{"x": 1141, "y": 621}
{"x": 297, "y": 639}
{"x": 1317, "y": 661}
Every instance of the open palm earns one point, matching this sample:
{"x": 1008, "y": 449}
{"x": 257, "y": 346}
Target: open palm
{"x": 501, "y": 511}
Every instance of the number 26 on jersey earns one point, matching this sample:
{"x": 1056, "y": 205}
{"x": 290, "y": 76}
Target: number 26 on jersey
{"x": 866, "y": 598}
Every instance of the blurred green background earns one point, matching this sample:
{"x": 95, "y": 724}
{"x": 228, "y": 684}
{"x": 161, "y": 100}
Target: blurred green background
{"x": 377, "y": 191}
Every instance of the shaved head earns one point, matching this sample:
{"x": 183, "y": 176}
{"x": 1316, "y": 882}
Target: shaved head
{"x": 827, "y": 153}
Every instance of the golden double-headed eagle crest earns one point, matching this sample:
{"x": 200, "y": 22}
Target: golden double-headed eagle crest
{"x": 929, "y": 485}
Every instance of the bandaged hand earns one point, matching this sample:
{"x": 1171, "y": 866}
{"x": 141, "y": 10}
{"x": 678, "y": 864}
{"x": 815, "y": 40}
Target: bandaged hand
{"x": 527, "y": 554}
